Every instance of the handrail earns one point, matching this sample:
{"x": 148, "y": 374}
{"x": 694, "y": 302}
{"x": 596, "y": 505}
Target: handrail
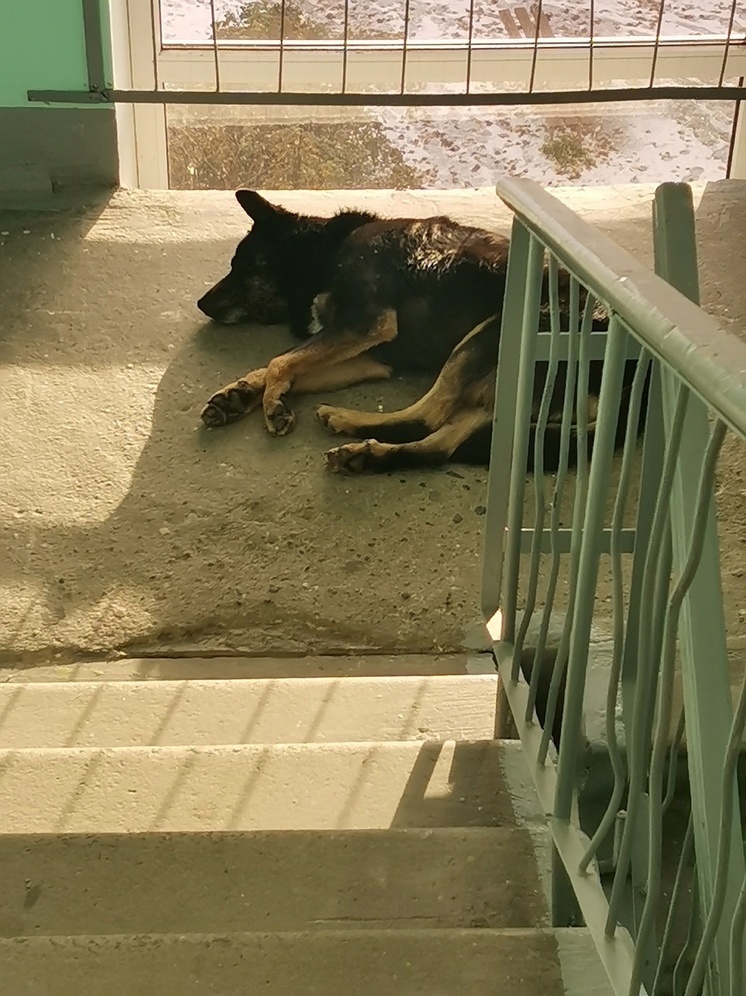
{"x": 671, "y": 327}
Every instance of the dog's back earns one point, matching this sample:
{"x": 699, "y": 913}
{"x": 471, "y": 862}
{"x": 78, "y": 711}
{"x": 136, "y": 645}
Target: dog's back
{"x": 442, "y": 279}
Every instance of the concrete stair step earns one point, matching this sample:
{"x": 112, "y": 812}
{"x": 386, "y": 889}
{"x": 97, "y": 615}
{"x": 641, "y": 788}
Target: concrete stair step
{"x": 196, "y": 666}
{"x": 191, "y": 883}
{"x": 312, "y": 963}
{"x": 290, "y": 710}
{"x": 272, "y": 787}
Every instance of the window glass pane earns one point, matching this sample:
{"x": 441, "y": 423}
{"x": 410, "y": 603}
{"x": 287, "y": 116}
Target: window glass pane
{"x": 286, "y": 148}
{"x": 190, "y": 20}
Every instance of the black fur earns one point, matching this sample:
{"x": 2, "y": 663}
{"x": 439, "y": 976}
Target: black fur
{"x": 390, "y": 295}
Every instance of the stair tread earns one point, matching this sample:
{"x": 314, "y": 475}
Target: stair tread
{"x": 332, "y": 963}
{"x": 272, "y": 787}
{"x": 63, "y": 884}
{"x": 243, "y": 711}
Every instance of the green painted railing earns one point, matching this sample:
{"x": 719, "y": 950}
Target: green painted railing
{"x": 651, "y": 510}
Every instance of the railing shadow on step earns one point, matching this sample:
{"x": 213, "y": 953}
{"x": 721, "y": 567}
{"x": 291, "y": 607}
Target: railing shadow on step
{"x": 599, "y": 654}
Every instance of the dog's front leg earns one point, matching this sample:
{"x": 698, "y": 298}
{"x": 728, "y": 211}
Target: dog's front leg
{"x": 329, "y": 348}
{"x": 235, "y": 400}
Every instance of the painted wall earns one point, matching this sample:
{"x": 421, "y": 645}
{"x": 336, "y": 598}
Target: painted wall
{"x": 42, "y": 46}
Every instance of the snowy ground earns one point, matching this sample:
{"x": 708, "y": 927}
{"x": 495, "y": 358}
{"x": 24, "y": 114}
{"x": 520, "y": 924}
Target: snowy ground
{"x": 659, "y": 140}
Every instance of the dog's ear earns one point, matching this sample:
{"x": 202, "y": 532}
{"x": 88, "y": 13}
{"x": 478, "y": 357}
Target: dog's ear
{"x": 256, "y": 207}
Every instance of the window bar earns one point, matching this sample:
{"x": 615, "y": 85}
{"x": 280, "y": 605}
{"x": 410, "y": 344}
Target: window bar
{"x": 591, "y": 49}
{"x": 470, "y": 50}
{"x": 658, "y": 29}
{"x": 345, "y": 50}
{"x": 578, "y": 514}
{"x": 216, "y": 57}
{"x": 535, "y": 52}
{"x": 729, "y": 38}
{"x": 661, "y": 735}
{"x": 559, "y": 490}
{"x": 617, "y": 581}
{"x": 281, "y": 64}
{"x": 405, "y": 47}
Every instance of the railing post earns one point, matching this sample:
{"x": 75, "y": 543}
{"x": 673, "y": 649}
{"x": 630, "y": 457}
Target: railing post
{"x": 503, "y": 420}
{"x": 707, "y": 696}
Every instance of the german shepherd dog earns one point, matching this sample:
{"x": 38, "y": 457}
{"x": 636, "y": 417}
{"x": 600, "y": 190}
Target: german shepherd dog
{"x": 371, "y": 297}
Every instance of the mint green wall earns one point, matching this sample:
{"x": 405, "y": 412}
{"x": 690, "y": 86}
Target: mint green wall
{"x": 42, "y": 47}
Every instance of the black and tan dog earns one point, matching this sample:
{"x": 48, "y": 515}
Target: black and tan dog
{"x": 372, "y": 297}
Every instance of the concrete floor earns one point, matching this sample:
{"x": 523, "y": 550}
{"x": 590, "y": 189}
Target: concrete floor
{"x": 126, "y": 527}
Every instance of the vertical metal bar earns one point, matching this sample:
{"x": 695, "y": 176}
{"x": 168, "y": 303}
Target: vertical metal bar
{"x": 726, "y": 50}
{"x": 730, "y": 797}
{"x": 346, "y": 48}
{"x": 598, "y": 485}
{"x": 578, "y": 511}
{"x": 405, "y": 47}
{"x": 736, "y": 166}
{"x": 707, "y": 697}
{"x": 535, "y": 51}
{"x": 539, "y": 482}
{"x": 522, "y": 418}
{"x": 591, "y": 48}
{"x": 470, "y": 49}
{"x": 559, "y": 488}
{"x": 676, "y": 892}
{"x": 503, "y": 421}
{"x": 658, "y": 27}
{"x": 215, "y": 54}
{"x": 737, "y": 938}
{"x": 617, "y": 764}
{"x": 703, "y": 503}
{"x": 646, "y": 674}
{"x": 281, "y": 63}
{"x": 94, "y": 45}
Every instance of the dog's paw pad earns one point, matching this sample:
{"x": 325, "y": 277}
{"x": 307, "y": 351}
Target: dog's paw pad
{"x": 352, "y": 458}
{"x": 227, "y": 405}
{"x": 279, "y": 419}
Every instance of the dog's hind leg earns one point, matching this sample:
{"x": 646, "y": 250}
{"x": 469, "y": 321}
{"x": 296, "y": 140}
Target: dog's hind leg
{"x": 467, "y": 380}
{"x": 433, "y": 450}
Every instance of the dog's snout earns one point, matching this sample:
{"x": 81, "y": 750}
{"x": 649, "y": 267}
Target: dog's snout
{"x": 204, "y": 305}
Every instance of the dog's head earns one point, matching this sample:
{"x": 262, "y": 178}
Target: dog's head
{"x": 252, "y": 290}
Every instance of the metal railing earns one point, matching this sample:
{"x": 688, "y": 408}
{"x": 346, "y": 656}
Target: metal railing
{"x": 686, "y": 935}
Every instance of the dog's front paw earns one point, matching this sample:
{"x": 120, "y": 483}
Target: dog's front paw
{"x": 229, "y": 404}
{"x": 279, "y": 419}
{"x": 352, "y": 458}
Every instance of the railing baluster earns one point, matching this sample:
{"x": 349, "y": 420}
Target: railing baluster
{"x": 539, "y": 482}
{"x": 607, "y": 822}
{"x": 521, "y": 419}
{"x": 506, "y": 390}
{"x": 579, "y": 504}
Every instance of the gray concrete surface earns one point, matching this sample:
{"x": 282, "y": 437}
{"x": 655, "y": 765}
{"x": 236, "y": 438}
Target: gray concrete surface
{"x": 235, "y": 711}
{"x": 358, "y": 786}
{"x": 304, "y": 880}
{"x": 125, "y": 526}
{"x": 336, "y": 963}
